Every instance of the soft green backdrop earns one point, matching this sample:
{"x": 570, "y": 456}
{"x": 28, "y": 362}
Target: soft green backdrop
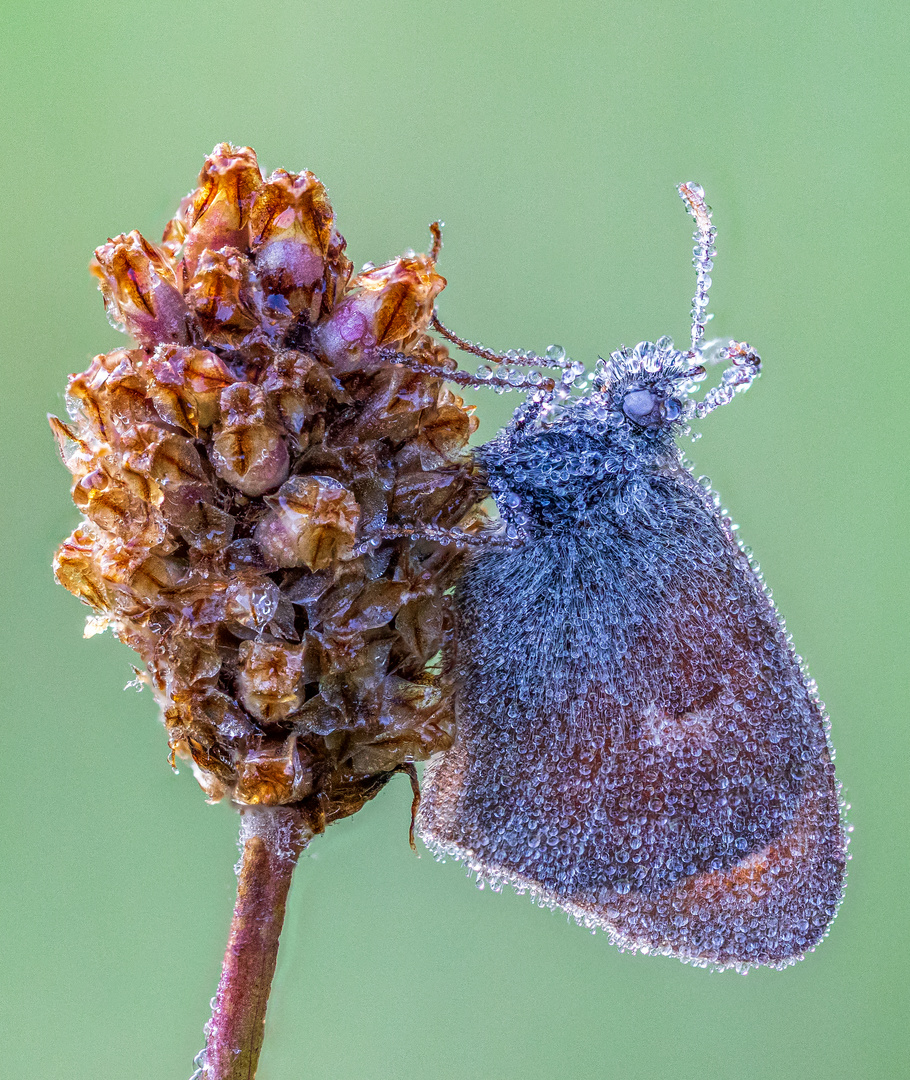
{"x": 549, "y": 137}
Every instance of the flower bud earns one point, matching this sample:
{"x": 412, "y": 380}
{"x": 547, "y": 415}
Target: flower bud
{"x": 141, "y": 290}
{"x": 313, "y": 522}
{"x": 415, "y": 718}
{"x": 206, "y": 528}
{"x": 422, "y": 625}
{"x": 442, "y": 435}
{"x": 153, "y": 576}
{"x": 251, "y": 602}
{"x": 111, "y": 396}
{"x": 186, "y": 384}
{"x": 182, "y": 482}
{"x": 269, "y": 680}
{"x": 390, "y": 307}
{"x": 76, "y": 567}
{"x": 225, "y": 297}
{"x": 299, "y": 253}
{"x": 298, "y": 387}
{"x": 174, "y": 462}
{"x": 114, "y": 508}
{"x": 246, "y": 451}
{"x": 427, "y": 496}
{"x": 217, "y": 215}
{"x": 182, "y": 662}
{"x": 275, "y": 773}
{"x": 195, "y": 734}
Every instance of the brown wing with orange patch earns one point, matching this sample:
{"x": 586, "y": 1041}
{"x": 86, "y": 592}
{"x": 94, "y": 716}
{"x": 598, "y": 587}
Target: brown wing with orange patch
{"x": 641, "y": 749}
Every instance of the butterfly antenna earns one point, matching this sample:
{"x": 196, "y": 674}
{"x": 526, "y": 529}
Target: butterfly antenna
{"x": 694, "y": 198}
{"x": 745, "y": 363}
{"x": 436, "y": 228}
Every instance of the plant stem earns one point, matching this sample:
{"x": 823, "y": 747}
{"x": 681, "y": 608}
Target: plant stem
{"x": 272, "y": 839}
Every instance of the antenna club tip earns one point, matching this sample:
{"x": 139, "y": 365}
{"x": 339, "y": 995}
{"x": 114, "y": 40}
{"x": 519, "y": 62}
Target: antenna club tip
{"x": 693, "y": 195}
{"x": 436, "y": 228}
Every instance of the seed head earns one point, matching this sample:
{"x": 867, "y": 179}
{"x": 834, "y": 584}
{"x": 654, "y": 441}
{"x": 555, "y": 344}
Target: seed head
{"x": 230, "y": 468}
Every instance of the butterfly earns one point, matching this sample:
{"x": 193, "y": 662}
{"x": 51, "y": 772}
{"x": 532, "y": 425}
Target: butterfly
{"x": 637, "y": 742}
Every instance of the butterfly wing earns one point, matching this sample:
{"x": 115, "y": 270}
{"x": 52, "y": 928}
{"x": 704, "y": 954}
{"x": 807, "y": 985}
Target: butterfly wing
{"x": 636, "y": 741}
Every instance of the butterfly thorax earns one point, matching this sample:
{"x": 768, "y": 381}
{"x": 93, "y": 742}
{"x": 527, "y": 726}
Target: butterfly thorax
{"x": 590, "y": 460}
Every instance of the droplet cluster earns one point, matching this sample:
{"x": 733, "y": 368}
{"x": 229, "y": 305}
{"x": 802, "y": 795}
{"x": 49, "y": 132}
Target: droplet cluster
{"x": 637, "y": 743}
{"x": 229, "y": 466}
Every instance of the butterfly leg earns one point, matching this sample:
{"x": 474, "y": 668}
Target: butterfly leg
{"x": 744, "y": 369}
{"x": 501, "y": 383}
{"x": 454, "y": 537}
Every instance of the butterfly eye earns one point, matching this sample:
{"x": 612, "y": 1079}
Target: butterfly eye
{"x": 649, "y": 410}
{"x": 641, "y": 407}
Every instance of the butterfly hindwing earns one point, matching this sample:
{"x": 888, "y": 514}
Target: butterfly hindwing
{"x": 635, "y": 735}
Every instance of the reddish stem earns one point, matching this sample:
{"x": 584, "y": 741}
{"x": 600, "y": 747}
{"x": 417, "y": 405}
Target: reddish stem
{"x": 272, "y": 840}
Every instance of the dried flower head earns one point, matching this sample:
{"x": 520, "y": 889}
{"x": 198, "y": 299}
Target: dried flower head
{"x": 230, "y": 468}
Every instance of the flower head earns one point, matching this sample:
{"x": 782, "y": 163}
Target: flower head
{"x": 230, "y": 468}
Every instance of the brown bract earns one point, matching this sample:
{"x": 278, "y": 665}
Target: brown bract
{"x": 230, "y": 468}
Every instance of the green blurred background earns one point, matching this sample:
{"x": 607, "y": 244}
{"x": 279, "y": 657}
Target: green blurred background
{"x": 549, "y": 138}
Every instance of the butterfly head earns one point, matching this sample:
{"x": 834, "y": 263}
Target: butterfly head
{"x": 647, "y": 389}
